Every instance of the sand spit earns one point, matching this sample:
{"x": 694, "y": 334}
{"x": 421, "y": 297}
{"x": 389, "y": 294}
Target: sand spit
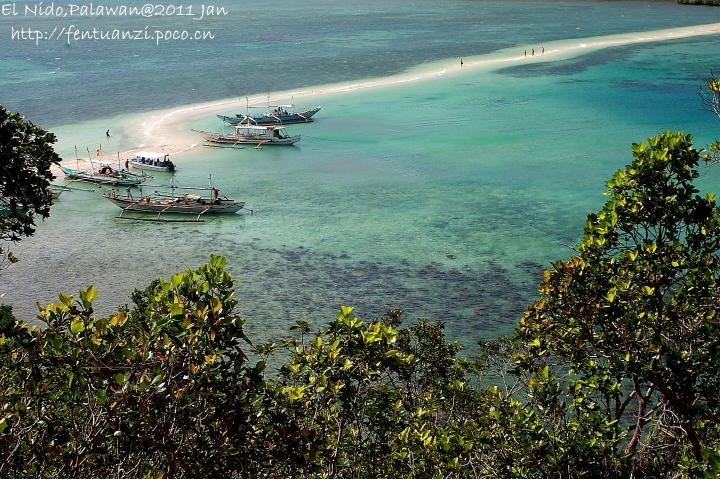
{"x": 166, "y": 130}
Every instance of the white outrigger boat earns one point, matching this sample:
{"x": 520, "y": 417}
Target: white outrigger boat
{"x": 187, "y": 203}
{"x": 246, "y": 133}
{"x": 150, "y": 160}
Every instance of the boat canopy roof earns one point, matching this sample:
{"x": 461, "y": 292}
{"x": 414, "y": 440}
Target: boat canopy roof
{"x": 150, "y": 154}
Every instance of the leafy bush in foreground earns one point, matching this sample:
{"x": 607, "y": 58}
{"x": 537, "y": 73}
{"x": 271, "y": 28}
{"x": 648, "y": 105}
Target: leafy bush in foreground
{"x": 162, "y": 390}
{"x": 165, "y": 391}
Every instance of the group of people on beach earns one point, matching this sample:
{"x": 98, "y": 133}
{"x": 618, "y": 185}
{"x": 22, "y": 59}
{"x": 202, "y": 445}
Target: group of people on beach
{"x": 532, "y": 51}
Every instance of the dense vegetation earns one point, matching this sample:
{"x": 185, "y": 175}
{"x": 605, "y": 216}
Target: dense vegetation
{"x": 612, "y": 373}
{"x": 26, "y": 154}
{"x": 700, "y": 2}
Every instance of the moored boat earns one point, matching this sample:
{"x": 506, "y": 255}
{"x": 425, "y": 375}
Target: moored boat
{"x": 187, "y": 203}
{"x": 105, "y": 175}
{"x": 277, "y": 115}
{"x": 150, "y": 160}
{"x": 252, "y": 134}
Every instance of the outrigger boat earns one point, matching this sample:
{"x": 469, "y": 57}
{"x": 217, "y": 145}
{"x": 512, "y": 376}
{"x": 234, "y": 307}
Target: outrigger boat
{"x": 105, "y": 175}
{"x": 275, "y": 115}
{"x": 246, "y": 133}
{"x": 187, "y": 203}
{"x": 150, "y": 160}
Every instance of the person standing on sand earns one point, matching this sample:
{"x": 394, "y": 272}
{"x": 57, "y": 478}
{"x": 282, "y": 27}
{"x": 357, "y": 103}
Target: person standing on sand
{"x": 461, "y": 63}
{"x": 533, "y": 52}
{"x": 543, "y": 50}
{"x": 525, "y": 52}
{"x": 107, "y": 134}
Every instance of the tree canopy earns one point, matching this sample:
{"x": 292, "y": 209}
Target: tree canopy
{"x": 634, "y": 313}
{"x": 700, "y": 2}
{"x": 26, "y": 155}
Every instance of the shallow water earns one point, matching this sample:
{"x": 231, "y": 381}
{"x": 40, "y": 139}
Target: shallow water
{"x": 446, "y": 198}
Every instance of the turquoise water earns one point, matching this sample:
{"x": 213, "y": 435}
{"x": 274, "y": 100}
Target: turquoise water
{"x": 445, "y": 198}
{"x": 287, "y": 44}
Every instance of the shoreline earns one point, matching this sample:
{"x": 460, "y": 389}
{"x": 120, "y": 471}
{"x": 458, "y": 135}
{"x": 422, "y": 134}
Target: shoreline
{"x": 163, "y": 130}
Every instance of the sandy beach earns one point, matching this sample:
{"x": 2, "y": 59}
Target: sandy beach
{"x": 167, "y": 130}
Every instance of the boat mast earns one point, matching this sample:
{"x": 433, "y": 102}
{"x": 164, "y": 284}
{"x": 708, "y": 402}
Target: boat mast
{"x": 92, "y": 165}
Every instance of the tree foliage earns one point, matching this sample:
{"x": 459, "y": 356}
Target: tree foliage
{"x": 165, "y": 390}
{"x": 714, "y": 3}
{"x": 26, "y": 155}
{"x": 710, "y": 100}
{"x": 396, "y": 402}
{"x": 159, "y": 392}
{"x": 634, "y": 313}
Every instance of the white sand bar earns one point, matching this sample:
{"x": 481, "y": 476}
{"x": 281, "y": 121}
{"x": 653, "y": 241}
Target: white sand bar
{"x": 166, "y": 130}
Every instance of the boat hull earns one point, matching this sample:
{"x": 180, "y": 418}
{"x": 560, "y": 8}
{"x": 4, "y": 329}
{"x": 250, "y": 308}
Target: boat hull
{"x": 280, "y": 119}
{"x": 225, "y": 206}
{"x": 235, "y": 139}
{"x": 143, "y": 166}
{"x": 101, "y": 179}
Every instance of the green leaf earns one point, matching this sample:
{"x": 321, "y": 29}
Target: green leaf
{"x": 77, "y": 326}
{"x": 66, "y": 300}
{"x": 91, "y": 293}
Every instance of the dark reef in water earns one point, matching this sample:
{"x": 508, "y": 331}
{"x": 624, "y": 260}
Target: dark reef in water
{"x": 278, "y": 286}
{"x": 284, "y": 285}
